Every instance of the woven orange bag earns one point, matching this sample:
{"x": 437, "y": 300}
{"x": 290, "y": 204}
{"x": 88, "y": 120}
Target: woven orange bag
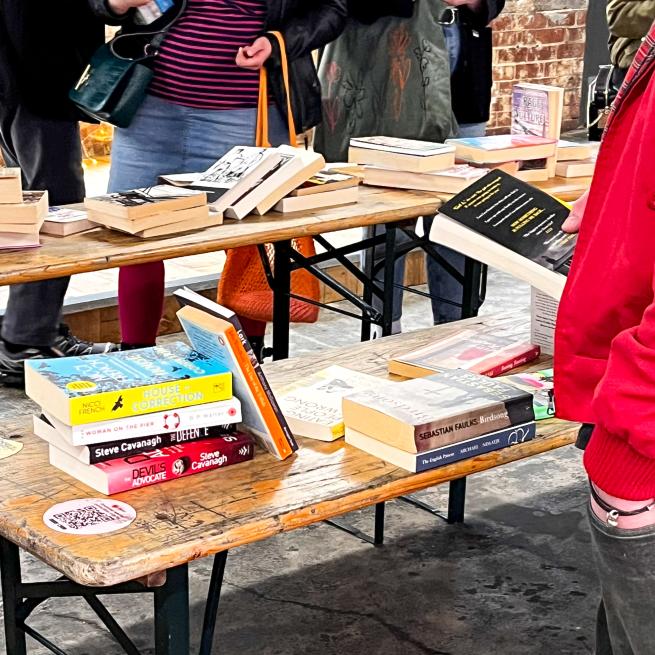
{"x": 243, "y": 286}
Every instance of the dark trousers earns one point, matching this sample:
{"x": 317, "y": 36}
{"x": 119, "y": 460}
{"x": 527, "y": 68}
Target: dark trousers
{"x": 50, "y": 155}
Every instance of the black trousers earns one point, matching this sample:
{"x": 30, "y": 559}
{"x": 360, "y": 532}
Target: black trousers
{"x": 50, "y": 155}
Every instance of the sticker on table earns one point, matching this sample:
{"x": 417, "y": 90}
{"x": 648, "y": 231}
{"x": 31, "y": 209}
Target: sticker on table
{"x": 89, "y": 516}
{"x": 9, "y": 447}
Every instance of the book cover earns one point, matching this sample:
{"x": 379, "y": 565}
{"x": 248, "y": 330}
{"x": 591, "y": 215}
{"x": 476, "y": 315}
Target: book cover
{"x": 78, "y": 390}
{"x": 426, "y": 413}
{"x": 109, "y": 450}
{"x": 416, "y": 463}
{"x": 312, "y": 407}
{"x": 540, "y": 385}
{"x": 543, "y": 318}
{"x": 495, "y": 142}
{"x": 156, "y": 466}
{"x": 449, "y": 180}
{"x": 32, "y": 209}
{"x": 401, "y": 146}
{"x": 11, "y": 186}
{"x": 18, "y": 241}
{"x": 64, "y": 221}
{"x": 183, "y": 419}
{"x": 490, "y": 352}
{"x": 217, "y": 338}
{"x": 574, "y": 150}
{"x": 325, "y": 180}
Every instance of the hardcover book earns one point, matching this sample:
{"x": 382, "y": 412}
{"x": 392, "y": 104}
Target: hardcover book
{"x": 79, "y": 390}
{"x": 11, "y": 186}
{"x": 449, "y": 180}
{"x": 156, "y": 466}
{"x": 157, "y": 424}
{"x": 427, "y": 413}
{"x": 64, "y": 221}
{"x": 540, "y": 385}
{"x": 31, "y": 210}
{"x": 418, "y": 462}
{"x": 312, "y": 407}
{"x": 501, "y": 148}
{"x": 110, "y": 450}
{"x": 510, "y": 225}
{"x": 216, "y": 332}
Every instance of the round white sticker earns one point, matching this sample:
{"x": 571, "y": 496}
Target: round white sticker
{"x": 9, "y": 447}
{"x": 89, "y": 516}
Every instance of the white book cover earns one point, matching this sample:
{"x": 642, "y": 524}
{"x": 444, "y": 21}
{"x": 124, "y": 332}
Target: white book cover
{"x": 65, "y": 215}
{"x": 543, "y": 317}
{"x": 401, "y": 146}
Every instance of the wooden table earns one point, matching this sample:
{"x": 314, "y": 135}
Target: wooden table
{"x": 215, "y": 511}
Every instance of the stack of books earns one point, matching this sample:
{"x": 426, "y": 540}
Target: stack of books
{"x": 576, "y": 158}
{"x": 156, "y": 211}
{"x": 65, "y": 221}
{"x": 409, "y": 164}
{"x": 325, "y": 189}
{"x": 430, "y": 422}
{"x": 21, "y": 212}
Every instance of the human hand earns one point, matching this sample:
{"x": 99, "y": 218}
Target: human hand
{"x": 122, "y": 6}
{"x": 572, "y": 223}
{"x": 254, "y": 56}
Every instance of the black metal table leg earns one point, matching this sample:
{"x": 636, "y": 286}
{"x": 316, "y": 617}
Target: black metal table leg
{"x": 367, "y": 290}
{"x": 389, "y": 266}
{"x": 11, "y": 582}
{"x": 378, "y": 535}
{"x": 456, "y": 501}
{"x": 471, "y": 288}
{"x": 172, "y": 613}
{"x": 211, "y": 607}
{"x": 281, "y": 298}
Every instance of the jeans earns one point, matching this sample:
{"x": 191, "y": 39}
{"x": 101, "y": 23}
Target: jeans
{"x": 166, "y": 138}
{"x": 49, "y": 153}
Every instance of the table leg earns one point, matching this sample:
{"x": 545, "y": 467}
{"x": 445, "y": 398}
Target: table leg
{"x": 367, "y": 292}
{"x": 456, "y": 501}
{"x": 11, "y": 581}
{"x": 172, "y": 613}
{"x": 378, "y": 535}
{"x": 281, "y": 299}
{"x": 211, "y": 607}
{"x": 471, "y": 288}
{"x": 389, "y": 265}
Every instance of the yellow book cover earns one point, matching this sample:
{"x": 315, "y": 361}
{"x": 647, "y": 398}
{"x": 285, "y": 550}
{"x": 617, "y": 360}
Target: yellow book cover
{"x": 79, "y": 390}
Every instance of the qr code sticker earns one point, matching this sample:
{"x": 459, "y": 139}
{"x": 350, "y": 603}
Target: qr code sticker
{"x": 89, "y": 516}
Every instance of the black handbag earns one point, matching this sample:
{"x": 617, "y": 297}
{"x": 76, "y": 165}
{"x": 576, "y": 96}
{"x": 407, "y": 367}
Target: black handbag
{"x": 603, "y": 89}
{"x": 114, "y": 84}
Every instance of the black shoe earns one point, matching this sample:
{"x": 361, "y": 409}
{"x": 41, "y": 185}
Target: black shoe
{"x": 68, "y": 345}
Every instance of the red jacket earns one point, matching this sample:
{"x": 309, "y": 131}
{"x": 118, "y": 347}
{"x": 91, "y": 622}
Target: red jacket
{"x": 605, "y": 339}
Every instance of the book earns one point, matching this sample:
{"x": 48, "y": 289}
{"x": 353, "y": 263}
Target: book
{"x": 543, "y": 317}
{"x": 427, "y": 413}
{"x": 64, "y": 221}
{"x": 32, "y": 209}
{"x": 325, "y": 181}
{"x": 79, "y": 390}
{"x": 149, "y": 201}
{"x": 347, "y": 196}
{"x": 416, "y": 463}
{"x": 17, "y": 241}
{"x": 11, "y": 186}
{"x": 156, "y": 466}
{"x": 532, "y": 174}
{"x": 151, "y": 11}
{"x": 574, "y": 150}
{"x": 501, "y": 148}
{"x": 401, "y": 154}
{"x": 221, "y": 339}
{"x": 106, "y": 451}
{"x": 537, "y": 110}
{"x": 31, "y": 229}
{"x": 295, "y": 168}
{"x": 511, "y": 225}
{"x": 312, "y": 407}
{"x": 158, "y": 424}
{"x": 576, "y": 168}
{"x": 449, "y": 180}
{"x": 540, "y": 385}
{"x": 491, "y": 352}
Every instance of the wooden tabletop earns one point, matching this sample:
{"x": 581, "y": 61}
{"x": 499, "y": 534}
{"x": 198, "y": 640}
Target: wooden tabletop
{"x": 101, "y": 248}
{"x": 186, "y": 519}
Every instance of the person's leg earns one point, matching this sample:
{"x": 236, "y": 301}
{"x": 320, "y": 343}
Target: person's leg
{"x": 471, "y": 130}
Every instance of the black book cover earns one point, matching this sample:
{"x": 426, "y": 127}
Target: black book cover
{"x": 518, "y": 216}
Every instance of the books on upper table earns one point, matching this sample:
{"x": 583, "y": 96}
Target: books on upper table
{"x": 540, "y": 385}
{"x": 11, "y": 186}
{"x": 324, "y": 181}
{"x": 575, "y": 150}
{"x": 576, "y": 168}
{"x": 64, "y": 221}
{"x": 401, "y": 154}
{"x": 427, "y": 413}
{"x": 501, "y": 148}
{"x": 347, "y": 196}
{"x": 30, "y": 211}
{"x": 511, "y": 225}
{"x": 79, "y": 390}
{"x": 449, "y": 180}
{"x": 492, "y": 352}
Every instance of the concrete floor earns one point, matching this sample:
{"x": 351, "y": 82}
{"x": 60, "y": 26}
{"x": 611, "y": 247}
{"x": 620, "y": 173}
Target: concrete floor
{"x": 515, "y": 579}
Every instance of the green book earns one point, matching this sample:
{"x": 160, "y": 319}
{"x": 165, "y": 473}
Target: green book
{"x": 540, "y": 385}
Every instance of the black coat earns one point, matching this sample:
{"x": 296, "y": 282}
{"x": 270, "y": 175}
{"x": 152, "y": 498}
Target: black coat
{"x": 470, "y": 83}
{"x": 307, "y": 25}
{"x": 44, "y": 47}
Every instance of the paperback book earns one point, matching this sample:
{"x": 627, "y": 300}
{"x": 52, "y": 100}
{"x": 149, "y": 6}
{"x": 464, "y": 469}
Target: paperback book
{"x": 500, "y": 148}
{"x": 64, "y": 221}
{"x": 540, "y": 385}
{"x": 449, "y": 180}
{"x": 426, "y": 413}
{"x": 11, "y": 186}
{"x": 347, "y": 196}
{"x": 79, "y": 390}
{"x": 31, "y": 210}
{"x": 324, "y": 181}
{"x": 575, "y": 150}
{"x": 576, "y": 168}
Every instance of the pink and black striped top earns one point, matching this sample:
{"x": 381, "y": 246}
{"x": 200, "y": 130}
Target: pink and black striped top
{"x": 195, "y": 66}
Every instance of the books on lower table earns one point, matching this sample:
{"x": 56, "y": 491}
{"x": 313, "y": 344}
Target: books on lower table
{"x": 21, "y": 221}
{"x": 503, "y": 148}
{"x": 449, "y": 180}
{"x": 512, "y": 226}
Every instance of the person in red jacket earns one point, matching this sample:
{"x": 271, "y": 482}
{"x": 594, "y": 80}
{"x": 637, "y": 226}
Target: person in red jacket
{"x": 605, "y": 361}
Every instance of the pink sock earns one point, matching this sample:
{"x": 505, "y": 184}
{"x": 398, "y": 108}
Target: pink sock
{"x": 140, "y": 302}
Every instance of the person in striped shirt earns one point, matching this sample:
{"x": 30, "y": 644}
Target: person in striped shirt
{"x": 203, "y": 101}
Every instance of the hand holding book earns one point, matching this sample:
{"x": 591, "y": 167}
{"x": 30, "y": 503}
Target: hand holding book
{"x": 574, "y": 220}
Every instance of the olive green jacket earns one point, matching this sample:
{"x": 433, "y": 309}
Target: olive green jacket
{"x": 629, "y": 22}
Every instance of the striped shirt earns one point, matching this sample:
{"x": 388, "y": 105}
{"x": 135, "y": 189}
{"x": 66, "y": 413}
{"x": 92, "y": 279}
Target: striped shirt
{"x": 196, "y": 67}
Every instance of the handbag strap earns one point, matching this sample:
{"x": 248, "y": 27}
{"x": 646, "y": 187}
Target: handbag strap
{"x": 261, "y": 134}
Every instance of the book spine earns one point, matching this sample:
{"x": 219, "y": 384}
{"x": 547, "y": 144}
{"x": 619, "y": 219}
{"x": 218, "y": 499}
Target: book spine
{"x": 473, "y": 447}
{"x": 176, "y": 462}
{"x": 279, "y": 430}
{"x": 148, "y": 399}
{"x": 105, "y": 452}
{"x": 520, "y": 360}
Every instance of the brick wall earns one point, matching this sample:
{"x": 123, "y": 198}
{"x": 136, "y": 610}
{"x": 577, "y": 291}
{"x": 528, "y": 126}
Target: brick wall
{"x": 539, "y": 41}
